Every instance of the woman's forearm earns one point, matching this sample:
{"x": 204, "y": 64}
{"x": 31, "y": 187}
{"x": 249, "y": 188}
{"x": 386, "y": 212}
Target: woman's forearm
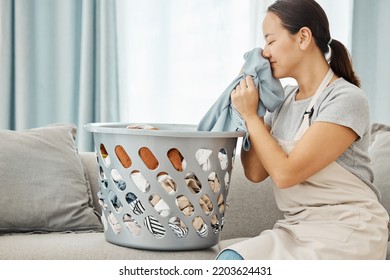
{"x": 268, "y": 152}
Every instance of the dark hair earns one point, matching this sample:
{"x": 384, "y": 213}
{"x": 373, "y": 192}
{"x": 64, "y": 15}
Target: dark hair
{"x": 296, "y": 14}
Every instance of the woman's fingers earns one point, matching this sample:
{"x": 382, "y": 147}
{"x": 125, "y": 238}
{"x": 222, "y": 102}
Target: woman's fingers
{"x": 249, "y": 82}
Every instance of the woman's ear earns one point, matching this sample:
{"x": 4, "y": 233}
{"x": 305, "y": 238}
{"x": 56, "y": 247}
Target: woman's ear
{"x": 305, "y": 37}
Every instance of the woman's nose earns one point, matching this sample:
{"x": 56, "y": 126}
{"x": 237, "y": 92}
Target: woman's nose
{"x": 265, "y": 53}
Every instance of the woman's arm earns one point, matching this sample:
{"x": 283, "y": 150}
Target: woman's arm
{"x": 322, "y": 144}
{"x": 253, "y": 167}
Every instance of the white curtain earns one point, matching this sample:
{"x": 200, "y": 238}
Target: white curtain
{"x": 178, "y": 56}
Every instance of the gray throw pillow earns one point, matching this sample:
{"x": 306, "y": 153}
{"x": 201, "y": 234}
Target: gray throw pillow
{"x": 43, "y": 184}
{"x": 380, "y": 155}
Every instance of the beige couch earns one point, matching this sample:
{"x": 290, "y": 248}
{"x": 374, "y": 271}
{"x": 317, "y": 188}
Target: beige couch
{"x": 80, "y": 236}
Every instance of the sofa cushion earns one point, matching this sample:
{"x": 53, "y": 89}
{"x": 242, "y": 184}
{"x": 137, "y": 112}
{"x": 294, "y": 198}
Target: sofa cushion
{"x": 380, "y": 155}
{"x": 44, "y": 187}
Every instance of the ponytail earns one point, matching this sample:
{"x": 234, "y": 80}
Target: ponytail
{"x": 341, "y": 62}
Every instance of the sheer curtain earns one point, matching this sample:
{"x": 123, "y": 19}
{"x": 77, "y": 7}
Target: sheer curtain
{"x": 177, "y": 56}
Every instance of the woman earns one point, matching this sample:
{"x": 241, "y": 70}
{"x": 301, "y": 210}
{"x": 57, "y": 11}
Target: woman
{"x": 314, "y": 147}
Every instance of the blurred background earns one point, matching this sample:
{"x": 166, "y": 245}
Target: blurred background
{"x": 154, "y": 61}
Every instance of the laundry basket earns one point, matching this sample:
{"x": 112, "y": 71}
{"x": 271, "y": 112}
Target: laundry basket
{"x": 164, "y": 186}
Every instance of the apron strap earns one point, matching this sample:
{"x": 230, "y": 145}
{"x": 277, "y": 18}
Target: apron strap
{"x": 310, "y": 109}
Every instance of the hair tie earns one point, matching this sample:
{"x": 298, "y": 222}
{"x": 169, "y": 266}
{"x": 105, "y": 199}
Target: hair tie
{"x": 330, "y": 41}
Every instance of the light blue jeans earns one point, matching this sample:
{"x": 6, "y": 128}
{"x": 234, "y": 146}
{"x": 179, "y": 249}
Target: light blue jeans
{"x": 229, "y": 255}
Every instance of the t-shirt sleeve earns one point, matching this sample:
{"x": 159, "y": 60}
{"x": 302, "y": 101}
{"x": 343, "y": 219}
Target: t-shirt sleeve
{"x": 346, "y": 106}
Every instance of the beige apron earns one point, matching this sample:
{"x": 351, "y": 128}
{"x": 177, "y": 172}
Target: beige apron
{"x": 331, "y": 215}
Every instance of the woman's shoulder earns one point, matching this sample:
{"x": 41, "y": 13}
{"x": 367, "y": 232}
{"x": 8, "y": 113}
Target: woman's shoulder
{"x": 343, "y": 91}
{"x": 345, "y": 104}
{"x": 343, "y": 87}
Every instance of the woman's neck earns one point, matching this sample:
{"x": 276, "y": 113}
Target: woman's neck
{"x": 310, "y": 79}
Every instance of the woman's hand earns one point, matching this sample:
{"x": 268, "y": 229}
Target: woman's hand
{"x": 245, "y": 98}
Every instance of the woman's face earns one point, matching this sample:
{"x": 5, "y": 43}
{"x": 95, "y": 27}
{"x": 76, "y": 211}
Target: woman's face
{"x": 281, "y": 48}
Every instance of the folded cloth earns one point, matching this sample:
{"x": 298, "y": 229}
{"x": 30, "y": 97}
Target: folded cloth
{"x": 178, "y": 227}
{"x": 223, "y": 117}
{"x": 132, "y": 225}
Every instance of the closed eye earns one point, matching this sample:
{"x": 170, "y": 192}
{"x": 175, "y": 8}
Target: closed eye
{"x": 270, "y": 43}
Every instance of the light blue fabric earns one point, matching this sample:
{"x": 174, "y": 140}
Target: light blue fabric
{"x": 223, "y": 117}
{"x": 58, "y": 64}
{"x": 229, "y": 254}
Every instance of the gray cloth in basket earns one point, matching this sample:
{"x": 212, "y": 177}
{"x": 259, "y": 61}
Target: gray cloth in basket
{"x": 223, "y": 117}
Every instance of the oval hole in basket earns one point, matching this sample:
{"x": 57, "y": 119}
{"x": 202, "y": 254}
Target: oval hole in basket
{"x": 140, "y": 181}
{"x": 227, "y": 180}
{"x": 206, "y": 204}
{"x": 214, "y": 183}
{"x": 103, "y": 178}
{"x": 223, "y": 159}
{"x": 233, "y": 155}
{"x": 193, "y": 183}
{"x": 154, "y": 226}
{"x": 148, "y": 158}
{"x": 203, "y": 158}
{"x": 221, "y": 204}
{"x": 200, "y": 226}
{"x": 159, "y": 205}
{"x": 122, "y": 156}
{"x": 167, "y": 182}
{"x": 114, "y": 224}
{"x": 177, "y": 159}
{"x": 178, "y": 227}
{"x": 134, "y": 203}
{"x": 216, "y": 225}
{"x": 104, "y": 155}
{"x": 184, "y": 205}
{"x": 118, "y": 180}
{"x": 115, "y": 202}
{"x": 131, "y": 225}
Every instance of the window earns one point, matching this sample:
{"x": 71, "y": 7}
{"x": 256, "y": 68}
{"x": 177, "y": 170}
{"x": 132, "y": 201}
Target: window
{"x": 177, "y": 57}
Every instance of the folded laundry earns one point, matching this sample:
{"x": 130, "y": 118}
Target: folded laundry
{"x": 178, "y": 227}
{"x": 214, "y": 183}
{"x": 142, "y": 126}
{"x": 132, "y": 225}
{"x": 203, "y": 157}
{"x": 217, "y": 226}
{"x": 167, "y": 182}
{"x": 200, "y": 226}
{"x": 193, "y": 183}
{"x": 154, "y": 226}
{"x": 123, "y": 156}
{"x": 159, "y": 205}
{"x": 140, "y": 181}
{"x": 223, "y": 117}
{"x": 114, "y": 223}
{"x": 135, "y": 204}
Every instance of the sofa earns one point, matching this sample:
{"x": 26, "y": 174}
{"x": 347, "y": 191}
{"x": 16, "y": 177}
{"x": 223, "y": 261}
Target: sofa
{"x": 50, "y": 208}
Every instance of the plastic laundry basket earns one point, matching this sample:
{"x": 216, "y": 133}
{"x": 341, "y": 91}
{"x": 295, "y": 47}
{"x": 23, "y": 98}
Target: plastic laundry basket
{"x": 163, "y": 188}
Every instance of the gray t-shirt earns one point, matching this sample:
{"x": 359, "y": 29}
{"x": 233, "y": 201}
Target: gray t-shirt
{"x": 341, "y": 103}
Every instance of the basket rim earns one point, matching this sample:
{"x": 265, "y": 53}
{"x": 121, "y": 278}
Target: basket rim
{"x": 165, "y": 130}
